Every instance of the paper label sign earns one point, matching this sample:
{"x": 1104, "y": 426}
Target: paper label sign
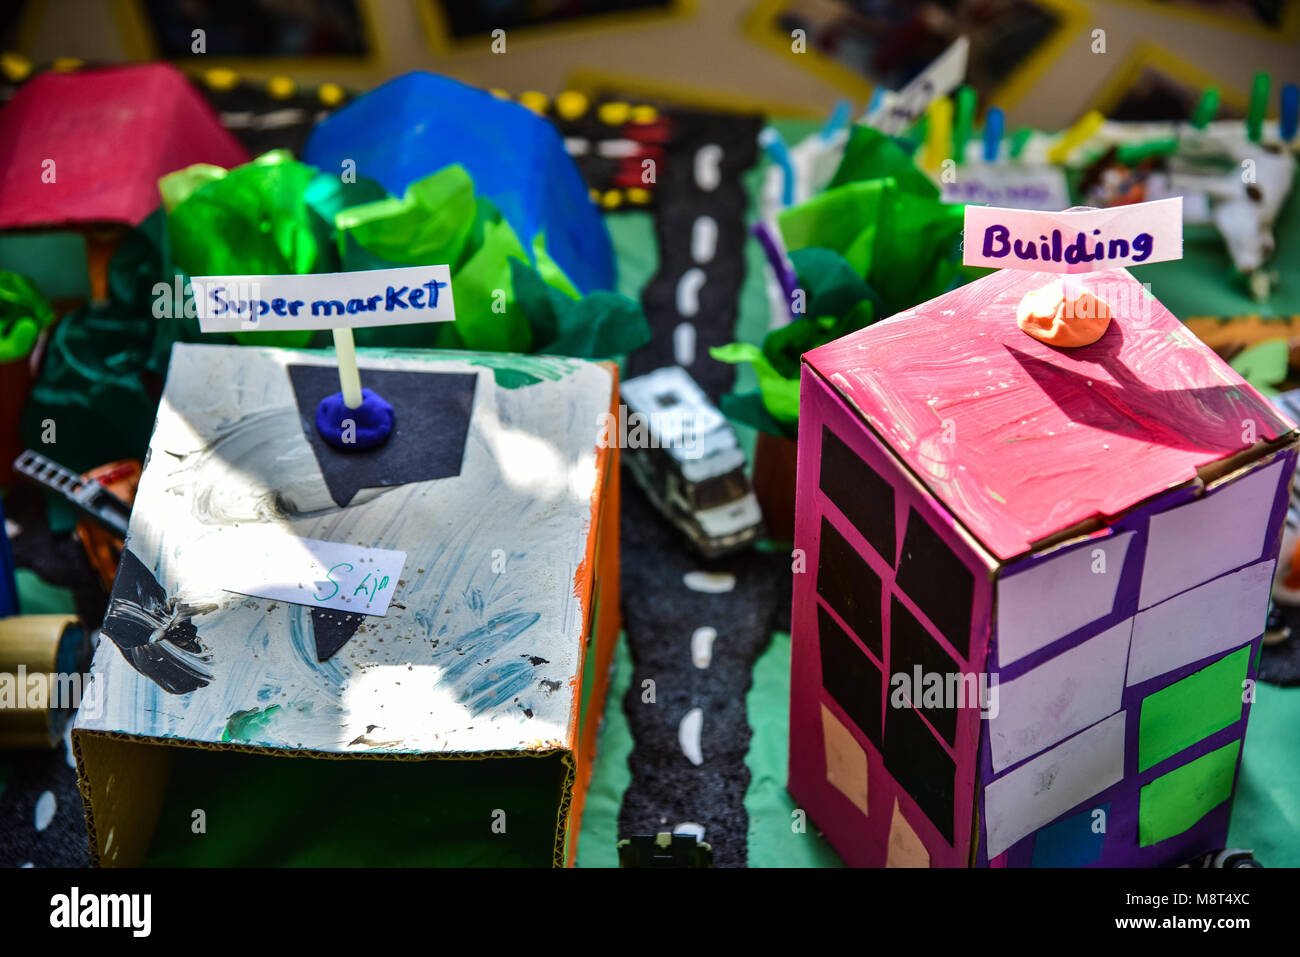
{"x": 1009, "y": 185}
{"x": 273, "y": 563}
{"x": 376, "y": 297}
{"x": 1073, "y": 242}
{"x": 898, "y": 111}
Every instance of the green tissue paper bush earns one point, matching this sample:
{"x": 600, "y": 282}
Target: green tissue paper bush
{"x": 876, "y": 241}
{"x": 24, "y": 312}
{"x": 274, "y": 216}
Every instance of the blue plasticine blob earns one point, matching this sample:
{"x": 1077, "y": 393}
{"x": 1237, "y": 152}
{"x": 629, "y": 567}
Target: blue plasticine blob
{"x": 372, "y": 421}
{"x": 419, "y": 123}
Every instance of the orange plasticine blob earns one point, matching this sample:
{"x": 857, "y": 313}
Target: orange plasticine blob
{"x": 1047, "y": 315}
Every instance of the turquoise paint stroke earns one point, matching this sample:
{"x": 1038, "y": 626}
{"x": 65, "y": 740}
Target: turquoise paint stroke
{"x": 250, "y": 725}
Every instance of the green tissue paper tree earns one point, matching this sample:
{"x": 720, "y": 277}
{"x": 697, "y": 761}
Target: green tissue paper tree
{"x": 876, "y": 241}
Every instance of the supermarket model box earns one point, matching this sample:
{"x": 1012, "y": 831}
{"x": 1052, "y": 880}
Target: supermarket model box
{"x": 315, "y": 657}
{"x": 1036, "y": 584}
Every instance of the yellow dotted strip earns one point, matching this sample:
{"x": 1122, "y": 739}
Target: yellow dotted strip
{"x": 15, "y": 66}
{"x": 572, "y": 105}
{"x": 280, "y": 87}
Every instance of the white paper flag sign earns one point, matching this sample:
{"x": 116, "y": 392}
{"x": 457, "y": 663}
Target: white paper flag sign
{"x": 376, "y": 297}
{"x": 274, "y": 563}
{"x": 1074, "y": 242}
{"x": 1009, "y": 185}
{"x": 899, "y": 110}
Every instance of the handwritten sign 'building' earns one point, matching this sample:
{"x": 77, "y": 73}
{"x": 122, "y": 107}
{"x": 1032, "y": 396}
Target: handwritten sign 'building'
{"x": 379, "y": 297}
{"x": 1076, "y": 241}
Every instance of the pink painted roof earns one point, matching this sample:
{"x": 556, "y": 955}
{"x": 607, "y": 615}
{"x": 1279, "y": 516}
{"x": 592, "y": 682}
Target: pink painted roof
{"x": 111, "y": 133}
{"x": 1021, "y": 440}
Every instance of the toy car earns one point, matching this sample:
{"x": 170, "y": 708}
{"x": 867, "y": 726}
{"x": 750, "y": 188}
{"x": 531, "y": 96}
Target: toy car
{"x": 683, "y": 453}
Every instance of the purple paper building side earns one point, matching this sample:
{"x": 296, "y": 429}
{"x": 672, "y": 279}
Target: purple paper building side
{"x": 1116, "y": 657}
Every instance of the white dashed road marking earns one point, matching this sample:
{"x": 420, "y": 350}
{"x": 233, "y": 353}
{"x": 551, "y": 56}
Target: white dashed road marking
{"x": 684, "y": 343}
{"x": 704, "y": 239}
{"x": 712, "y": 583}
{"x": 688, "y": 736}
{"x": 690, "y": 827}
{"x": 708, "y": 167}
{"x": 688, "y": 292}
{"x": 45, "y": 808}
{"x": 702, "y": 646}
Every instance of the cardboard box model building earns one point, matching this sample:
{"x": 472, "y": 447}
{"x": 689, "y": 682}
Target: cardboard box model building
{"x": 391, "y": 657}
{"x": 1036, "y": 583}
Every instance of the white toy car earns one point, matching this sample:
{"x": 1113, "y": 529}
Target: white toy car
{"x": 683, "y": 453}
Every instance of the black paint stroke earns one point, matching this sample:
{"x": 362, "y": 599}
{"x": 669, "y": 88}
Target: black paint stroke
{"x": 154, "y": 630}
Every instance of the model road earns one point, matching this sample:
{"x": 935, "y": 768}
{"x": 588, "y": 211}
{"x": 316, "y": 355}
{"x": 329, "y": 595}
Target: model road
{"x": 692, "y": 300}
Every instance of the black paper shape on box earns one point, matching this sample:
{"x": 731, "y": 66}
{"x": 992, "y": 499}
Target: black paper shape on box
{"x": 846, "y": 582}
{"x": 911, "y": 645}
{"x": 432, "y": 412}
{"x": 332, "y": 629}
{"x": 917, "y": 761}
{"x": 850, "y": 677}
{"x": 863, "y": 497}
{"x": 939, "y": 582}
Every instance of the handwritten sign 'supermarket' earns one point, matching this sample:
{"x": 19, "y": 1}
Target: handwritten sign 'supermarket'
{"x": 380, "y": 297}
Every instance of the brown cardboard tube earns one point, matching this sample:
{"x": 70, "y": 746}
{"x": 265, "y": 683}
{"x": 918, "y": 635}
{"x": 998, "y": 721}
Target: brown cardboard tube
{"x": 40, "y": 661}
